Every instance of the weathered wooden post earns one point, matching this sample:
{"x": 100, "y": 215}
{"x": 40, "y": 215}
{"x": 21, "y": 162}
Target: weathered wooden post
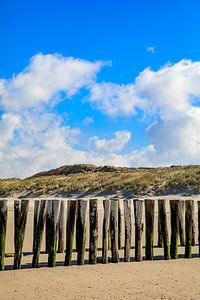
{"x": 93, "y": 231}
{"x": 188, "y": 228}
{"x": 39, "y": 232}
{"x": 174, "y": 209}
{"x": 128, "y": 226}
{"x": 35, "y": 220}
{"x": 53, "y": 230}
{"x": 119, "y": 226}
{"x": 106, "y": 226}
{"x": 193, "y": 224}
{"x": 181, "y": 222}
{"x": 138, "y": 208}
{"x": 114, "y": 230}
{"x": 61, "y": 227}
{"x": 159, "y": 230}
{"x": 78, "y": 225}
{"x": 164, "y": 227}
{"x": 20, "y": 218}
{"x": 149, "y": 220}
{"x": 71, "y": 220}
{"x": 3, "y": 225}
{"x": 82, "y": 231}
{"x": 198, "y": 203}
{"x": 48, "y": 224}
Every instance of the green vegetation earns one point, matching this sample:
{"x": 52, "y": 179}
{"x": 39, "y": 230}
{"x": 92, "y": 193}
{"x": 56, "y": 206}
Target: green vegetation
{"x": 74, "y": 178}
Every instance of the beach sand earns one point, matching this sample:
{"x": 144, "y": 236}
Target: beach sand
{"x": 158, "y": 279}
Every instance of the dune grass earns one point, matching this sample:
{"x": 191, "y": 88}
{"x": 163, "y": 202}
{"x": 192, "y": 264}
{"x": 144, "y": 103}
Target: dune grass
{"x": 155, "y": 181}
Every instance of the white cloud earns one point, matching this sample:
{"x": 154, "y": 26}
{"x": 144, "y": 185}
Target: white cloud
{"x": 43, "y": 80}
{"x": 38, "y": 142}
{"x": 114, "y": 99}
{"x": 88, "y": 120}
{"x": 151, "y": 49}
{"x": 33, "y": 138}
{"x": 171, "y": 96}
{"x": 113, "y": 145}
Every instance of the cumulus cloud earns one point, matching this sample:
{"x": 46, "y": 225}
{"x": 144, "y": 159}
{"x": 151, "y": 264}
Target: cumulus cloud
{"x": 171, "y": 96}
{"x": 114, "y": 99}
{"x": 33, "y": 136}
{"x": 43, "y": 80}
{"x": 116, "y": 144}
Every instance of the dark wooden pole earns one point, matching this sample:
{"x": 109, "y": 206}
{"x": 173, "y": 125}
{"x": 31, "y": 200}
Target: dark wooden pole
{"x": 114, "y": 230}
{"x": 128, "y": 227}
{"x": 61, "y": 228}
{"x": 39, "y": 233}
{"x": 193, "y": 224}
{"x": 174, "y": 209}
{"x": 3, "y": 225}
{"x": 198, "y": 203}
{"x": 71, "y": 220}
{"x": 188, "y": 228}
{"x": 119, "y": 226}
{"x": 82, "y": 231}
{"x": 181, "y": 222}
{"x": 20, "y": 216}
{"x": 35, "y": 220}
{"x": 106, "y": 226}
{"x": 164, "y": 227}
{"x": 149, "y": 220}
{"x": 93, "y": 231}
{"x": 138, "y": 209}
{"x": 53, "y": 230}
{"x": 48, "y": 225}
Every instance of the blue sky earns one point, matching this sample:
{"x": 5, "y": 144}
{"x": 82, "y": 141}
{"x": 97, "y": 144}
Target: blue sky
{"x": 130, "y": 36}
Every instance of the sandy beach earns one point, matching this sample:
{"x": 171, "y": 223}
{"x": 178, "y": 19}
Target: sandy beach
{"x": 158, "y": 279}
{"x": 177, "y": 279}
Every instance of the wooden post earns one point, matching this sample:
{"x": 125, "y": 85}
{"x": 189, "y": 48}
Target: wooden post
{"x": 39, "y": 233}
{"x": 198, "y": 203}
{"x": 71, "y": 220}
{"x": 181, "y": 222}
{"x": 164, "y": 227}
{"x": 93, "y": 231}
{"x": 82, "y": 231}
{"x": 78, "y": 225}
{"x": 3, "y": 225}
{"x": 193, "y": 224}
{"x": 188, "y": 228}
{"x": 106, "y": 226}
{"x": 149, "y": 220}
{"x": 61, "y": 228}
{"x": 20, "y": 216}
{"x": 174, "y": 209}
{"x": 128, "y": 223}
{"x": 48, "y": 225}
{"x": 159, "y": 230}
{"x": 119, "y": 226}
{"x": 35, "y": 220}
{"x": 138, "y": 208}
{"x": 53, "y": 230}
{"x": 114, "y": 230}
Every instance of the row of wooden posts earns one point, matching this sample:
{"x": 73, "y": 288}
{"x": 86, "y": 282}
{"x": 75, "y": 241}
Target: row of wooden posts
{"x": 51, "y": 214}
